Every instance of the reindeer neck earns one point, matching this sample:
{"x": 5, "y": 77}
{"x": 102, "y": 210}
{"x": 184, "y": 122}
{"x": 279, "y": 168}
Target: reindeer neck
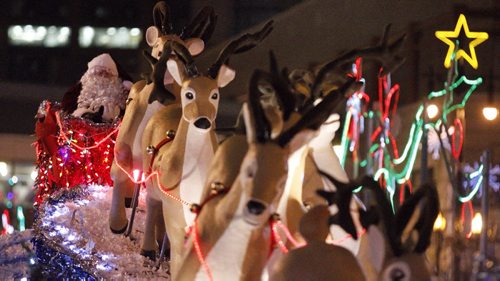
{"x": 292, "y": 194}
{"x": 144, "y": 112}
{"x": 233, "y": 248}
{"x": 133, "y": 114}
{"x": 190, "y": 155}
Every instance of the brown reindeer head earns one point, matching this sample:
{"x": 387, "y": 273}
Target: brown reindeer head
{"x": 406, "y": 234}
{"x": 193, "y": 36}
{"x": 264, "y": 168}
{"x": 200, "y": 92}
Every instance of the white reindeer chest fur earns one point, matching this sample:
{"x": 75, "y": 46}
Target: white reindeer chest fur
{"x": 226, "y": 258}
{"x": 198, "y": 155}
{"x": 137, "y": 147}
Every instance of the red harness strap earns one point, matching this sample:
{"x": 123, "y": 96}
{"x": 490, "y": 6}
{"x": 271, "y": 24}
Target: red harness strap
{"x": 156, "y": 149}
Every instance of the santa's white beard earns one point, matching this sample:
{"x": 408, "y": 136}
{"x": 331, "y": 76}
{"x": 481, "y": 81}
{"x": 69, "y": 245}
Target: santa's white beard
{"x": 101, "y": 90}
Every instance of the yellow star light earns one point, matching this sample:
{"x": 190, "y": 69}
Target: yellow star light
{"x": 446, "y": 37}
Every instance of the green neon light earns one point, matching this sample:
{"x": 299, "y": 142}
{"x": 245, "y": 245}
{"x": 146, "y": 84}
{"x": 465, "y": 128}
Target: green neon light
{"x": 357, "y": 189}
{"x": 409, "y": 166}
{"x": 476, "y": 173}
{"x": 344, "y": 141}
{"x": 379, "y": 172}
{"x": 404, "y": 175}
{"x": 457, "y": 83}
{"x": 472, "y": 193}
{"x": 374, "y": 147}
{"x": 410, "y": 151}
{"x": 363, "y": 163}
{"x": 466, "y": 96}
{"x": 21, "y": 219}
{"x": 409, "y": 144}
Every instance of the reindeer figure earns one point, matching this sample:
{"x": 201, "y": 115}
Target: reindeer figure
{"x": 146, "y": 97}
{"x": 404, "y": 259}
{"x": 390, "y": 253}
{"x": 182, "y": 164}
{"x": 303, "y": 177}
{"x": 230, "y": 239}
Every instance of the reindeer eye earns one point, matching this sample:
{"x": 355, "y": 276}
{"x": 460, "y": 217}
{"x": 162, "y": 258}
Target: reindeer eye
{"x": 189, "y": 95}
{"x": 398, "y": 271}
{"x": 215, "y": 96}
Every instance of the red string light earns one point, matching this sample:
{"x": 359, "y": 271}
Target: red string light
{"x": 199, "y": 252}
{"x": 97, "y": 144}
{"x": 289, "y": 235}
{"x": 131, "y": 176}
{"x": 165, "y": 190}
{"x": 342, "y": 240}
{"x": 62, "y": 162}
{"x": 276, "y": 238}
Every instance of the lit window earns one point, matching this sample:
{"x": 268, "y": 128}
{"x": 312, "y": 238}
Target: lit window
{"x": 109, "y": 37}
{"x": 46, "y": 36}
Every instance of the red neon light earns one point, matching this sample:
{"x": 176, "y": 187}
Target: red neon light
{"x": 394, "y": 145}
{"x": 471, "y": 213}
{"x": 456, "y": 152}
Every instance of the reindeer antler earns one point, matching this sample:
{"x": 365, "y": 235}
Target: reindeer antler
{"x": 342, "y": 197}
{"x": 262, "y": 126}
{"x": 426, "y": 220}
{"x": 202, "y": 26}
{"x": 185, "y": 56}
{"x": 317, "y": 115}
{"x": 161, "y": 17}
{"x": 159, "y": 91}
{"x": 383, "y": 53}
{"x": 283, "y": 94}
{"x": 387, "y": 215}
{"x": 244, "y": 43}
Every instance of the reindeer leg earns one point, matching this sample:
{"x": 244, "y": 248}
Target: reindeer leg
{"x": 149, "y": 240}
{"x": 117, "y": 216}
{"x": 165, "y": 250}
{"x": 162, "y": 237}
{"x": 135, "y": 201}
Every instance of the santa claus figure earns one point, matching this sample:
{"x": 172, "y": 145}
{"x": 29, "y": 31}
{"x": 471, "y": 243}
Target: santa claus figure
{"x": 103, "y": 93}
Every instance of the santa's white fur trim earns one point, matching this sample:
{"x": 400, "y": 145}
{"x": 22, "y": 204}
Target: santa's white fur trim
{"x": 103, "y": 61}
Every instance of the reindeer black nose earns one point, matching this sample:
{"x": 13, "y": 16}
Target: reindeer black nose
{"x": 255, "y": 208}
{"x": 202, "y": 123}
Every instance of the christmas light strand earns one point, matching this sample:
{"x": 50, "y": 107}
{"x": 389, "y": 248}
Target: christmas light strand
{"x": 73, "y": 143}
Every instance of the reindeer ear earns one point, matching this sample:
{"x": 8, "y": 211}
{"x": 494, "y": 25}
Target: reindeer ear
{"x": 249, "y": 124}
{"x": 175, "y": 71}
{"x": 301, "y": 138}
{"x": 195, "y": 46}
{"x": 152, "y": 34}
{"x": 418, "y": 213}
{"x": 372, "y": 250}
{"x": 225, "y": 76}
{"x": 275, "y": 118}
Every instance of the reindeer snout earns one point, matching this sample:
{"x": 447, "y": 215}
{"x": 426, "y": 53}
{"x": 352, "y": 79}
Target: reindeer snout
{"x": 255, "y": 207}
{"x": 203, "y": 123}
